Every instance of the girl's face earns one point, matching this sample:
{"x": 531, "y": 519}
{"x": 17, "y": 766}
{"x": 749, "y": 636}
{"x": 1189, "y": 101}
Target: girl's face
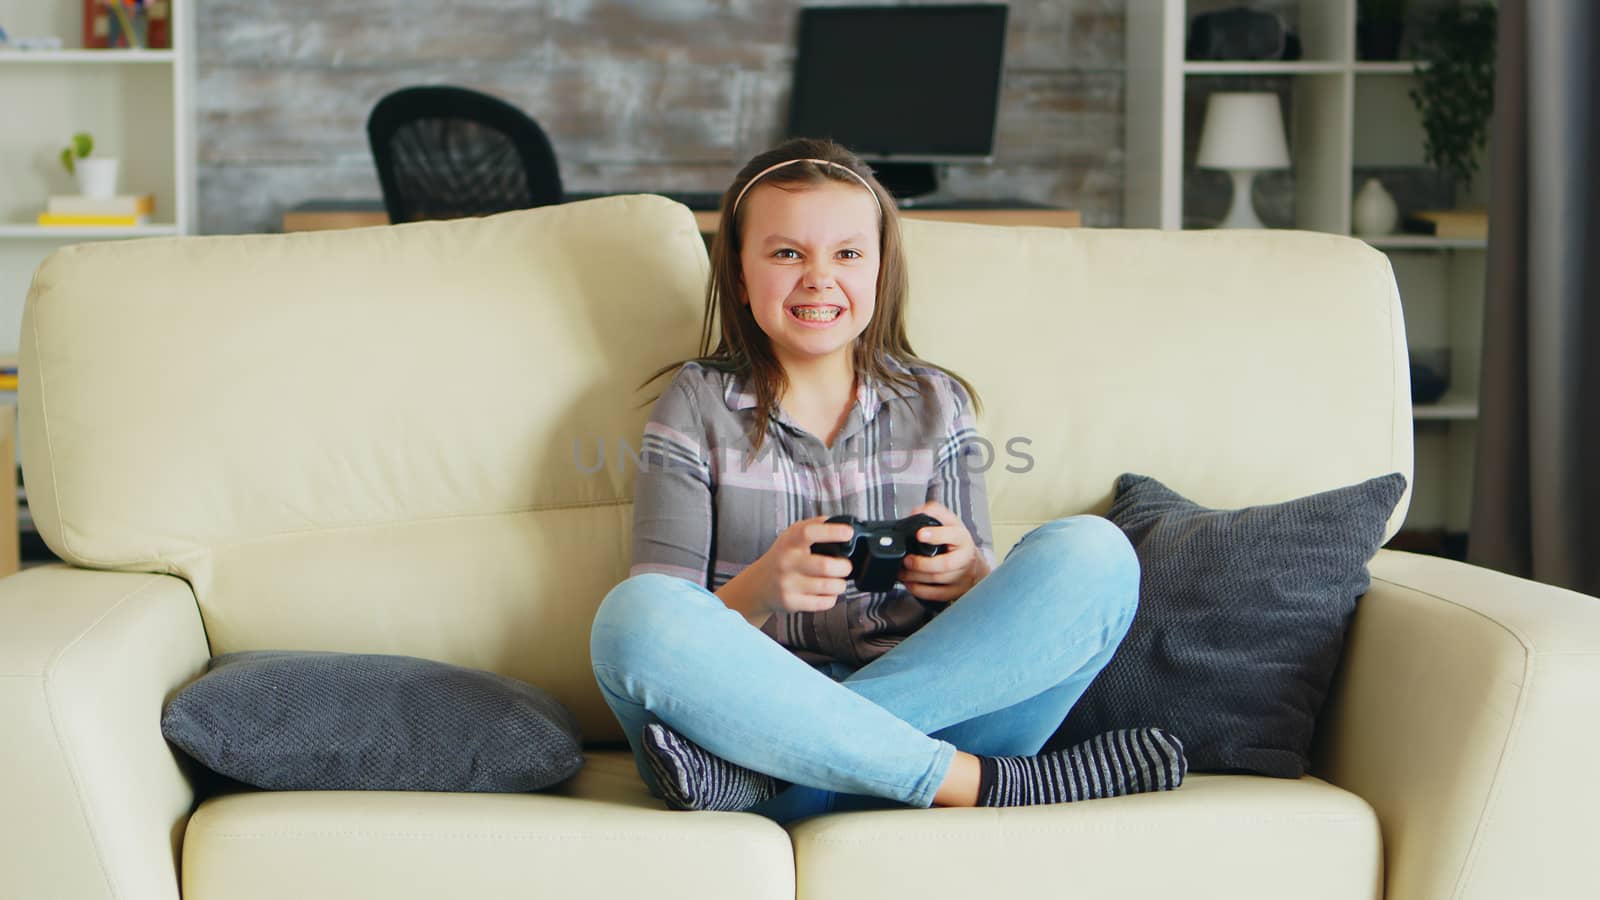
{"x": 809, "y": 268}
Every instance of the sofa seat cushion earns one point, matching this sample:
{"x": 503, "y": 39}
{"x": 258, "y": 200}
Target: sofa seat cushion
{"x": 1224, "y": 836}
{"x": 599, "y": 834}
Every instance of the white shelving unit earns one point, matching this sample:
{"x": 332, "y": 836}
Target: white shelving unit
{"x": 136, "y": 103}
{"x": 1343, "y": 115}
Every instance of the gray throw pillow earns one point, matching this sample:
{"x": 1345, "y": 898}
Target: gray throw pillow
{"x": 311, "y": 721}
{"x": 1241, "y": 621}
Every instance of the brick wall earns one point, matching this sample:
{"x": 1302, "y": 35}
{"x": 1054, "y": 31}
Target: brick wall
{"x": 634, "y": 94}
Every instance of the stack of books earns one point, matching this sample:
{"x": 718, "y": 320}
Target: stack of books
{"x": 8, "y": 376}
{"x": 74, "y": 211}
{"x": 115, "y": 23}
{"x": 1448, "y": 223}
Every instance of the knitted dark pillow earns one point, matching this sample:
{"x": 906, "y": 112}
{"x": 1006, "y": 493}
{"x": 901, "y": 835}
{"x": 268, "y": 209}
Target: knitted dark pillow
{"x": 1241, "y": 621}
{"x": 296, "y": 720}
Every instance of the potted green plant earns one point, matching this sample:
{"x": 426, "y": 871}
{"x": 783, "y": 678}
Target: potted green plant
{"x": 1380, "y": 26}
{"x": 1454, "y": 87}
{"x": 97, "y": 176}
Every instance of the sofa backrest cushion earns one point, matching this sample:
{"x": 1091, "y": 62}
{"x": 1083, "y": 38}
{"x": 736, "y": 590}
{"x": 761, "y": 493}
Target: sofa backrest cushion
{"x": 1238, "y": 367}
{"x": 363, "y": 440}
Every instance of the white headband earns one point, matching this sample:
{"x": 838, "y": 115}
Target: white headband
{"x": 821, "y": 162}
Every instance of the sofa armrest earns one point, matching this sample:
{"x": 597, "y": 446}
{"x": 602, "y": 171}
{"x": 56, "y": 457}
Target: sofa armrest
{"x": 95, "y": 799}
{"x": 1467, "y": 713}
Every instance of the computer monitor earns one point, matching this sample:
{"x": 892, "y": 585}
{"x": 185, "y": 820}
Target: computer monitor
{"x": 901, "y": 84}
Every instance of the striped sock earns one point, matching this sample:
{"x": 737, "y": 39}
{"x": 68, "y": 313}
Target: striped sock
{"x": 693, "y": 778}
{"x": 1130, "y": 761}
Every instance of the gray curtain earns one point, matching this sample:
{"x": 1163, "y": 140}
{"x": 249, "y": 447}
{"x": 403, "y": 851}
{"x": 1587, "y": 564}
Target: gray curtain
{"x": 1536, "y": 493}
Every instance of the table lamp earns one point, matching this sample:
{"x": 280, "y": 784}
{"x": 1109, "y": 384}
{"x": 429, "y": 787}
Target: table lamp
{"x": 1243, "y": 135}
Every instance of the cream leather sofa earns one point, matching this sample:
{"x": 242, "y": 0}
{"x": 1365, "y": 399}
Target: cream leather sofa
{"x": 364, "y": 441}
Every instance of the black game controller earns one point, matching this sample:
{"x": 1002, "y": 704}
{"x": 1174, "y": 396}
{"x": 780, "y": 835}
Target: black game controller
{"x": 877, "y": 548}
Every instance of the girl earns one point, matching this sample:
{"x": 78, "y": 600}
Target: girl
{"x": 746, "y": 671}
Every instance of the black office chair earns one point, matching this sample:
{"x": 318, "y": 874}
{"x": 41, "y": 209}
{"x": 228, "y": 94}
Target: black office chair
{"x": 449, "y": 152}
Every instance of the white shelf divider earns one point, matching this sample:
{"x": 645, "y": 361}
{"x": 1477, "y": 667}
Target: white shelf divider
{"x": 1297, "y": 67}
{"x": 1448, "y": 408}
{"x": 1423, "y": 242}
{"x": 90, "y": 232}
{"x": 1401, "y": 67}
{"x": 96, "y": 57}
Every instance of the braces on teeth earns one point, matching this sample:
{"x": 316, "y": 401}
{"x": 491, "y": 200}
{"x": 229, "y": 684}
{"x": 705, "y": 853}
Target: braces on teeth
{"x": 826, "y": 314}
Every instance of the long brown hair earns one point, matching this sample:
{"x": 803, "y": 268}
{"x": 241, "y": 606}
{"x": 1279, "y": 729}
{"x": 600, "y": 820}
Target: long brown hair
{"x": 742, "y": 347}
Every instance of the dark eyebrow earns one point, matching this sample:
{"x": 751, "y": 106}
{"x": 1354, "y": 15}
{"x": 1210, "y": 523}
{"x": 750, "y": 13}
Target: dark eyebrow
{"x": 783, "y": 239}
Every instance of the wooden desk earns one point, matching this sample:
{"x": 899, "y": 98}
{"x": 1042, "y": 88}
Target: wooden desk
{"x": 324, "y": 215}
{"x": 318, "y": 215}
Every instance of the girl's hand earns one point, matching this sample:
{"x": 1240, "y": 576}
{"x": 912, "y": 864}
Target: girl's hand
{"x": 953, "y": 572}
{"x": 796, "y": 580}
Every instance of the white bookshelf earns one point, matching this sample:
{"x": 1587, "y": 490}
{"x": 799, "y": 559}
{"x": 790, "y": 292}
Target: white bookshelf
{"x": 136, "y": 103}
{"x": 1321, "y": 119}
{"x": 1343, "y": 114}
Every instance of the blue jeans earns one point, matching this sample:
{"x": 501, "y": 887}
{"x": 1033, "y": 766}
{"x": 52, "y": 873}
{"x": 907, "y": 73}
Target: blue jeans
{"x": 994, "y": 675}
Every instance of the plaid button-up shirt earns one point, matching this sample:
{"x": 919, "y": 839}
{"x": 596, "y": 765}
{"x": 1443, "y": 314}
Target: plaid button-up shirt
{"x": 706, "y": 506}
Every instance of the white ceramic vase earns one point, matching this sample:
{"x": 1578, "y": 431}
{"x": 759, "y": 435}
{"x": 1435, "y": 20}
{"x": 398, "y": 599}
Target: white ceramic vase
{"x": 97, "y": 176}
{"x": 1375, "y": 212}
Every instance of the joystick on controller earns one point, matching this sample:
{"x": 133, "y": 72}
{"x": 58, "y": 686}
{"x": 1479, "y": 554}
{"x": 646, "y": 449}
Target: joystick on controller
{"x": 877, "y": 547}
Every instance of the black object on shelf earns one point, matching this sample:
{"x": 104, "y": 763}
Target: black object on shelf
{"x": 1379, "y": 41}
{"x": 1241, "y": 33}
{"x": 1430, "y": 374}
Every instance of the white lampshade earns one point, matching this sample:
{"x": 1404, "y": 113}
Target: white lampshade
{"x": 1243, "y": 131}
